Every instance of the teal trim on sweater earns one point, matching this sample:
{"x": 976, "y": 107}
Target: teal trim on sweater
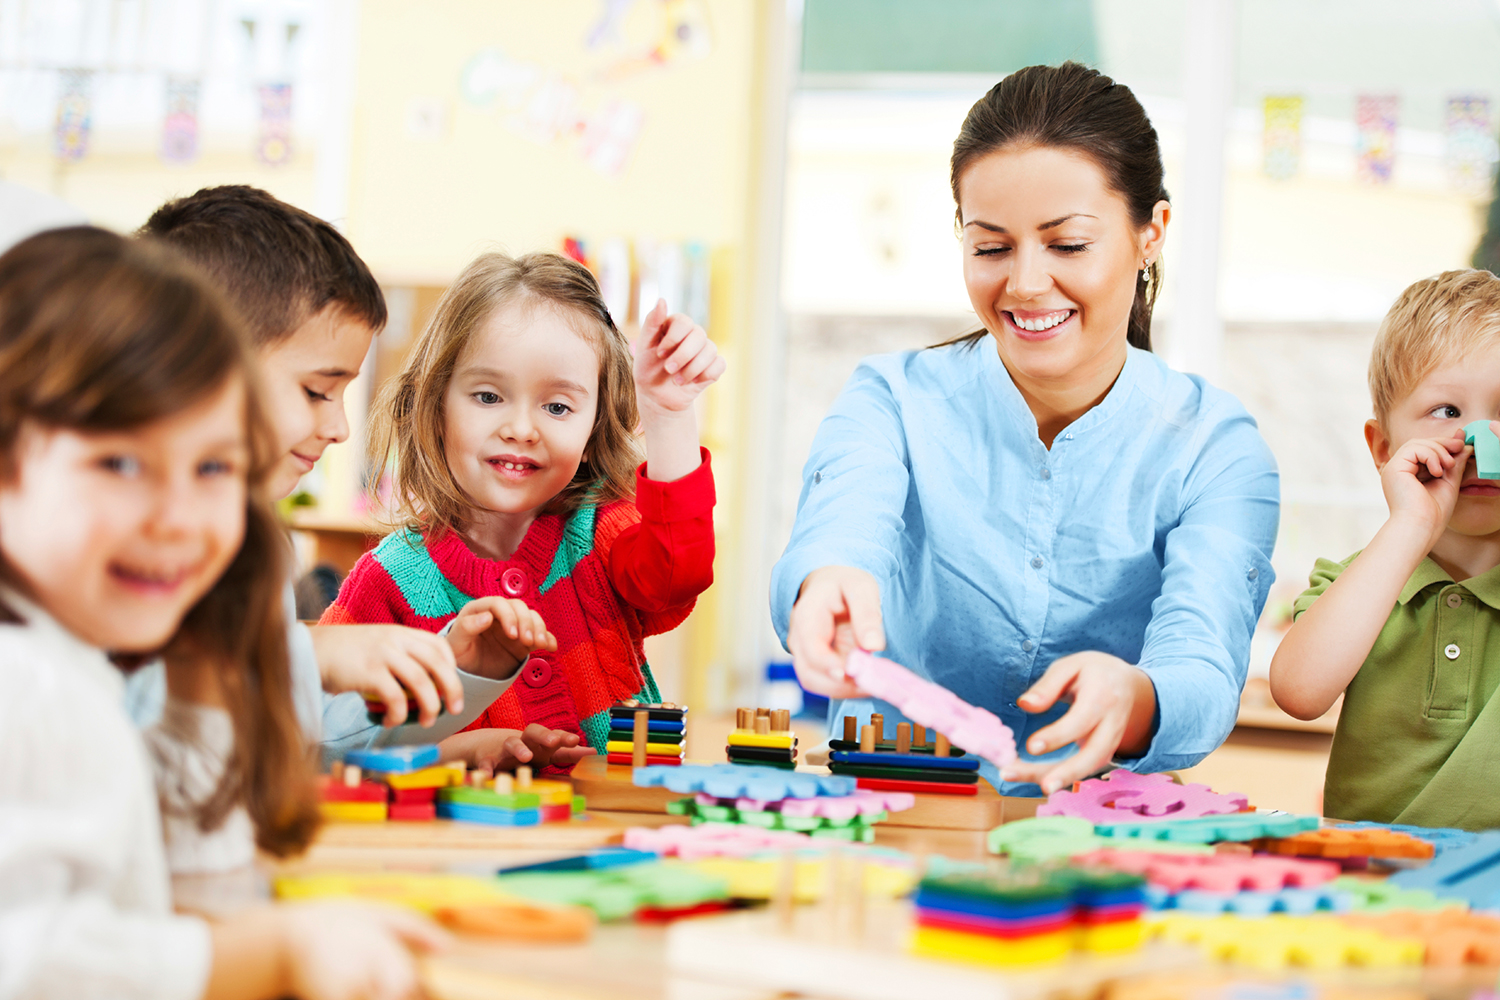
{"x": 425, "y": 589}
{"x": 577, "y": 542}
{"x": 596, "y": 727}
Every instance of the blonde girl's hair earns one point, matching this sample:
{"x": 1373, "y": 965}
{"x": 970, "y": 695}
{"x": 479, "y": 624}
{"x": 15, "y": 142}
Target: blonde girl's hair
{"x": 408, "y": 426}
{"x": 1436, "y": 320}
{"x": 101, "y": 334}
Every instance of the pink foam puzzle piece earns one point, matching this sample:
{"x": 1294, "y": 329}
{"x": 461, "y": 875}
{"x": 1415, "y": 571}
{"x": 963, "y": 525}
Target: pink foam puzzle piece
{"x": 1215, "y": 872}
{"x": 976, "y": 730}
{"x": 1124, "y": 796}
{"x": 862, "y": 803}
{"x": 712, "y": 840}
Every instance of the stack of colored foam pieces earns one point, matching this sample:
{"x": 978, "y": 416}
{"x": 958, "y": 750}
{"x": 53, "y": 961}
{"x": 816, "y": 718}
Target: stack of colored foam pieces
{"x": 507, "y": 801}
{"x": 763, "y": 737}
{"x": 398, "y": 783}
{"x": 910, "y": 764}
{"x": 850, "y": 817}
{"x": 663, "y": 739}
{"x": 1040, "y": 916}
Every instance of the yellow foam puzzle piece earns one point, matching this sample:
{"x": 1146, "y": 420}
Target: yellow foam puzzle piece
{"x": 935, "y": 942}
{"x": 1277, "y": 941}
{"x": 756, "y": 878}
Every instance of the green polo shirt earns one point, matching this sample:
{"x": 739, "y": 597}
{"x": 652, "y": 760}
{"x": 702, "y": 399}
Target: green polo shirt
{"x": 1418, "y": 740}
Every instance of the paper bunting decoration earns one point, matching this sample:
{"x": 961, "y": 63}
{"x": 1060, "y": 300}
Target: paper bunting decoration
{"x": 70, "y": 138}
{"x": 1281, "y": 143}
{"x": 179, "y": 133}
{"x": 274, "y": 147}
{"x": 1469, "y": 152}
{"x": 1375, "y": 147}
{"x": 610, "y": 137}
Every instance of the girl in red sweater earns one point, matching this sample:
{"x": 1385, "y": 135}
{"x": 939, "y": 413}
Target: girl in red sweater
{"x": 518, "y": 474}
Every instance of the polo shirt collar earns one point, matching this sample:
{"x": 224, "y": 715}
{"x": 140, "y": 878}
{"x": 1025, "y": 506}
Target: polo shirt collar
{"x": 1485, "y": 586}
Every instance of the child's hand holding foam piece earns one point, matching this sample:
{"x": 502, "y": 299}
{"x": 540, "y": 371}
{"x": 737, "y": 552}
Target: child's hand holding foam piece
{"x": 1421, "y": 483}
{"x": 978, "y": 731}
{"x": 1484, "y": 435}
{"x": 391, "y": 662}
{"x": 492, "y": 636}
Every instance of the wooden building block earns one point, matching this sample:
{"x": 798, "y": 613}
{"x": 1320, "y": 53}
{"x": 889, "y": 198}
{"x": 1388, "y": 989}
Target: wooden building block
{"x": 867, "y": 739}
{"x": 851, "y": 729}
{"x": 903, "y": 737}
{"x": 639, "y": 752}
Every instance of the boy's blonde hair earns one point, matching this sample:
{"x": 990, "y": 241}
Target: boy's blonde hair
{"x": 409, "y": 414}
{"x": 1435, "y": 320}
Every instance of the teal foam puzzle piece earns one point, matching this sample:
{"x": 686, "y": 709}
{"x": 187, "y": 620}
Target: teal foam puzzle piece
{"x": 1486, "y": 448}
{"x": 1209, "y": 829}
{"x": 1470, "y": 873}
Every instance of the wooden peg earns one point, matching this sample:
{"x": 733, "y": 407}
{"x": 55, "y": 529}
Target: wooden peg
{"x": 742, "y": 718}
{"x": 638, "y": 739}
{"x": 867, "y": 739}
{"x": 763, "y": 725}
{"x": 903, "y": 737}
{"x": 668, "y": 704}
{"x": 851, "y": 729}
{"x": 784, "y": 900}
{"x": 504, "y": 784}
{"x": 523, "y": 778}
{"x": 857, "y": 899}
{"x": 940, "y": 748}
{"x": 878, "y": 721}
{"x": 630, "y": 703}
{"x": 351, "y": 776}
{"x": 762, "y": 711}
{"x": 781, "y": 721}
{"x": 918, "y": 736}
{"x": 481, "y": 776}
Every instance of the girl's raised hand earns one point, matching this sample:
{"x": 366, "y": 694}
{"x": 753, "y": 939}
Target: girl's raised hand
{"x": 491, "y": 636}
{"x": 674, "y": 361}
{"x": 1421, "y": 482}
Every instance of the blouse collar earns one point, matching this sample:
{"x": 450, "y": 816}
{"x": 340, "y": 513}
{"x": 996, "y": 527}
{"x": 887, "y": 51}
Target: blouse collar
{"x": 1013, "y": 404}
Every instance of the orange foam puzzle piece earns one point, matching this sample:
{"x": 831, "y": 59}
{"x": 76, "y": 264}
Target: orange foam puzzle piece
{"x": 1452, "y": 937}
{"x": 1336, "y": 842}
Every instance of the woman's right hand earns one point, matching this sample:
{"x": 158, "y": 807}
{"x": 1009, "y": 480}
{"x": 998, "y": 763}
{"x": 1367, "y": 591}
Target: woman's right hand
{"x": 837, "y": 609}
{"x": 351, "y": 951}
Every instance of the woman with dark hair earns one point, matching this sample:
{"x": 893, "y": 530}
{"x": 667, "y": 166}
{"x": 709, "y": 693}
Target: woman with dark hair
{"x": 1041, "y": 515}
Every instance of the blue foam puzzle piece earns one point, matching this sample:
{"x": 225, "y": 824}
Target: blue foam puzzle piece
{"x": 484, "y": 814}
{"x": 1469, "y": 873}
{"x": 736, "y": 781}
{"x": 394, "y": 760}
{"x": 1486, "y": 448}
{"x": 1442, "y": 838}
{"x": 597, "y": 859}
{"x": 1251, "y": 904}
{"x": 905, "y": 760}
{"x": 1210, "y": 829}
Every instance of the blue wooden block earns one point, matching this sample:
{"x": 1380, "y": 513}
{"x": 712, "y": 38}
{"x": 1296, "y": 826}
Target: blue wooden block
{"x": 1486, "y": 448}
{"x": 736, "y": 781}
{"x": 1469, "y": 873}
{"x": 595, "y": 860}
{"x": 394, "y": 760}
{"x": 905, "y": 760}
{"x": 484, "y": 814}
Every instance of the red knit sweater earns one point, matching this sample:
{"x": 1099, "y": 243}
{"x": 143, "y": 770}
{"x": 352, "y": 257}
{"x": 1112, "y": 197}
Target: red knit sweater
{"x": 602, "y": 578}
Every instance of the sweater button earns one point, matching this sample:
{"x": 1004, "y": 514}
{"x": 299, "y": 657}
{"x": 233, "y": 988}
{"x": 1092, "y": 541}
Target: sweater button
{"x": 537, "y": 672}
{"x": 513, "y": 582}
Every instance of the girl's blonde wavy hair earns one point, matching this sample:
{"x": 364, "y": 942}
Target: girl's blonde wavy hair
{"x": 409, "y": 413}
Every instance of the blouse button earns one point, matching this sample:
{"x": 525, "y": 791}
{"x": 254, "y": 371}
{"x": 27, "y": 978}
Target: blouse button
{"x": 513, "y": 582}
{"x": 1046, "y": 472}
{"x": 1451, "y": 651}
{"x": 537, "y": 672}
{"x": 1027, "y": 646}
{"x": 1036, "y": 562}
{"x": 1454, "y": 601}
{"x": 817, "y": 477}
{"x": 1252, "y": 574}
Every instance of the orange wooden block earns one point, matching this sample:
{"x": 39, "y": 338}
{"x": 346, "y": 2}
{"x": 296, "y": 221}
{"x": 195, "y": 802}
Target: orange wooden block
{"x": 1336, "y": 842}
{"x": 1452, "y": 937}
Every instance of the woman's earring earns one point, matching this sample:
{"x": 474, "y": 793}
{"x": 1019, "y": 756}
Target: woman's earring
{"x": 1146, "y": 270}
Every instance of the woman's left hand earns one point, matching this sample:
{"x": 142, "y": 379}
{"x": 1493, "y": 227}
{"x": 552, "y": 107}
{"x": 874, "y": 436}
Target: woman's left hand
{"x": 1114, "y": 703}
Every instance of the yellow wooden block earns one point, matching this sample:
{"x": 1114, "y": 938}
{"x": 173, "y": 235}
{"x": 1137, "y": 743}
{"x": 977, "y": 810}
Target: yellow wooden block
{"x": 934, "y": 942}
{"x": 353, "y": 812}
{"x": 417, "y": 891}
{"x": 745, "y": 738}
{"x": 1277, "y": 941}
{"x": 441, "y": 776}
{"x": 553, "y": 793}
{"x": 655, "y": 749}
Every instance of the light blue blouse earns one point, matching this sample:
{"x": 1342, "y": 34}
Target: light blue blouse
{"x": 1145, "y": 532}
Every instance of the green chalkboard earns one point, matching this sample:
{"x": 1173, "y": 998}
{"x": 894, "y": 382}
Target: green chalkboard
{"x": 945, "y": 36}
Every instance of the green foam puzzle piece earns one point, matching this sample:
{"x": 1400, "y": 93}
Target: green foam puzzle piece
{"x": 616, "y": 893}
{"x": 1370, "y": 896}
{"x": 1209, "y": 829}
{"x": 1047, "y": 838}
{"x": 1486, "y": 448}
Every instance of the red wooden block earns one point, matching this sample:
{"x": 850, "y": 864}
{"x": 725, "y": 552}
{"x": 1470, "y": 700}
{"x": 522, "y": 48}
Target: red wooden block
{"x": 661, "y": 915}
{"x": 558, "y": 813}
{"x": 412, "y": 810}
{"x": 935, "y": 787}
{"x": 336, "y": 791}
{"x": 413, "y": 796}
{"x": 624, "y": 758}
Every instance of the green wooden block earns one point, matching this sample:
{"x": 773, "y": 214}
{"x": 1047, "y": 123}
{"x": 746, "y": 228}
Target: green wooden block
{"x": 580, "y": 804}
{"x": 487, "y": 797}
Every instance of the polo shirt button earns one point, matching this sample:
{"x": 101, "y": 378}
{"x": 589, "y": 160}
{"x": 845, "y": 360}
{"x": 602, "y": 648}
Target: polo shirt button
{"x": 513, "y": 582}
{"x": 537, "y": 672}
{"x": 1455, "y": 601}
{"x": 1451, "y": 651}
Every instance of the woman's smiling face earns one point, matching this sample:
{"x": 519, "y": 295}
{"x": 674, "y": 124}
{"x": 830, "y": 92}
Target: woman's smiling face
{"x": 1051, "y": 257}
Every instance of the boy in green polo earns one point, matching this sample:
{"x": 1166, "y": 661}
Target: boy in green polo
{"x": 1408, "y": 629}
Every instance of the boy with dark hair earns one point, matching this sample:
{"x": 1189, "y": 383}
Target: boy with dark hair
{"x": 312, "y": 308}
